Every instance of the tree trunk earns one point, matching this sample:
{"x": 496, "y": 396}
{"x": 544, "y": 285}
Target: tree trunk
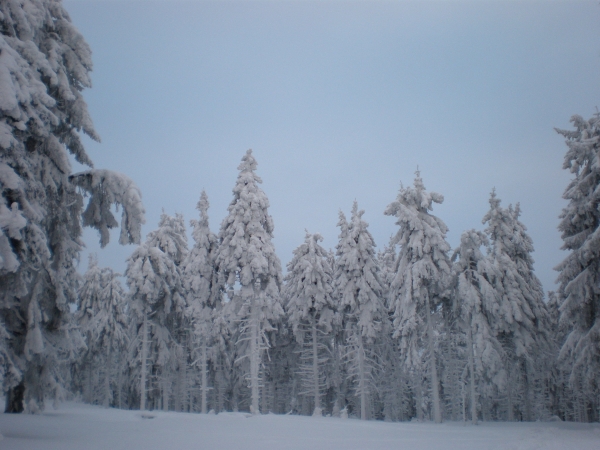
{"x": 14, "y": 399}
{"x": 181, "y": 378}
{"x": 315, "y": 367}
{"x": 87, "y": 395}
{"x": 437, "y": 414}
{"x": 166, "y": 387}
{"x": 529, "y": 387}
{"x": 472, "y": 371}
{"x": 144, "y": 357}
{"x": 254, "y": 356}
{"x": 107, "y": 378}
{"x": 419, "y": 395}
{"x": 362, "y": 383}
{"x": 203, "y": 368}
{"x": 510, "y": 412}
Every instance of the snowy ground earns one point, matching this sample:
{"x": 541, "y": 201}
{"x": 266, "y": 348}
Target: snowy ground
{"x": 77, "y": 426}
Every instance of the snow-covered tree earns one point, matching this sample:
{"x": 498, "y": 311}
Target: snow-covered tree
{"x": 360, "y": 291}
{"x": 44, "y": 66}
{"x": 311, "y": 311}
{"x": 422, "y": 271}
{"x": 521, "y": 322}
{"x": 478, "y": 304}
{"x": 102, "y": 320}
{"x": 202, "y": 290}
{"x": 579, "y": 276}
{"x": 249, "y": 267}
{"x": 157, "y": 296}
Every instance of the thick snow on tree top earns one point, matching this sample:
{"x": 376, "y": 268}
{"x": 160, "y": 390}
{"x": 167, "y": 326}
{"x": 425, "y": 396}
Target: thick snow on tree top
{"x": 579, "y": 272}
{"x": 521, "y": 315}
{"x": 153, "y": 272}
{"x": 478, "y": 303}
{"x": 199, "y": 272}
{"x": 357, "y": 275}
{"x": 246, "y": 253}
{"x": 422, "y": 266}
{"x": 308, "y": 289}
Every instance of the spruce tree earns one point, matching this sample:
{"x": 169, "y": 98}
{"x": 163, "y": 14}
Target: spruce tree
{"x": 311, "y": 311}
{"x": 579, "y": 273}
{"x": 250, "y": 269}
{"x": 154, "y": 277}
{"x": 477, "y": 304}
{"x": 421, "y": 276}
{"x": 359, "y": 291}
{"x": 521, "y": 322}
{"x": 44, "y": 67}
{"x": 102, "y": 320}
{"x": 203, "y": 292}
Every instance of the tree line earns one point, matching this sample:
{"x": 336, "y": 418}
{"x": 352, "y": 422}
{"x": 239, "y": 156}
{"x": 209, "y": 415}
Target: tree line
{"x": 417, "y": 330}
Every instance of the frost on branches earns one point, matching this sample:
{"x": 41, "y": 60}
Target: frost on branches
{"x": 477, "y": 303}
{"x": 249, "y": 267}
{"x": 44, "y": 66}
{"x": 311, "y": 312}
{"x": 359, "y": 291}
{"x": 203, "y": 292}
{"x": 422, "y": 271}
{"x": 154, "y": 277}
{"x": 520, "y": 321}
{"x": 101, "y": 318}
{"x": 579, "y": 275}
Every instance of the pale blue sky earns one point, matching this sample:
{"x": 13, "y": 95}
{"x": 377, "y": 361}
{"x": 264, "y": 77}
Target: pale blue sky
{"x": 342, "y": 101}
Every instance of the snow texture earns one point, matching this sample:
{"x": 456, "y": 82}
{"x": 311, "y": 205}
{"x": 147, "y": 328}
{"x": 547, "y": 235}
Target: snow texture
{"x": 75, "y": 426}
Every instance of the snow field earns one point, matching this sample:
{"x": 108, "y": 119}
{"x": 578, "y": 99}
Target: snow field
{"x": 76, "y": 426}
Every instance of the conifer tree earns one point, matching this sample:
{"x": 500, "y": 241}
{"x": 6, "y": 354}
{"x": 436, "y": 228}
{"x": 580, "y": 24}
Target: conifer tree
{"x": 102, "y": 321}
{"x": 579, "y": 273}
{"x": 422, "y": 271}
{"x": 311, "y": 311}
{"x": 246, "y": 258}
{"x": 157, "y": 297}
{"x": 202, "y": 290}
{"x": 477, "y": 305}
{"x": 44, "y": 67}
{"x": 521, "y": 321}
{"x": 360, "y": 291}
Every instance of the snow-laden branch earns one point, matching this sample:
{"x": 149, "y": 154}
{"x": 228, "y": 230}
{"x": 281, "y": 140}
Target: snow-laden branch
{"x": 106, "y": 188}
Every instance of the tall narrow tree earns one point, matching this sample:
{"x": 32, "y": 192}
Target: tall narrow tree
{"x": 521, "y": 322}
{"x": 360, "y": 293}
{"x": 478, "y": 303}
{"x": 311, "y": 311}
{"x": 422, "y": 271}
{"x": 154, "y": 279}
{"x": 202, "y": 290}
{"x": 246, "y": 259}
{"x": 579, "y": 273}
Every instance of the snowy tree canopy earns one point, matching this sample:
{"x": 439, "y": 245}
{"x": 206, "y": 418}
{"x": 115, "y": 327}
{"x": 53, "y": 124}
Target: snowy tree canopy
{"x": 357, "y": 277}
{"x": 422, "y": 276}
{"x": 579, "y": 273}
{"x": 309, "y": 289}
{"x": 44, "y": 66}
{"x": 478, "y": 303}
{"x": 520, "y": 318}
{"x": 311, "y": 311}
{"x": 153, "y": 272}
{"x": 246, "y": 253}
{"x": 422, "y": 266}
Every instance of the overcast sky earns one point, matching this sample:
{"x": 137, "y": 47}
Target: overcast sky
{"x": 341, "y": 101}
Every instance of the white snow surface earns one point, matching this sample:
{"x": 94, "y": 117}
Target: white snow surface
{"x": 79, "y": 426}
